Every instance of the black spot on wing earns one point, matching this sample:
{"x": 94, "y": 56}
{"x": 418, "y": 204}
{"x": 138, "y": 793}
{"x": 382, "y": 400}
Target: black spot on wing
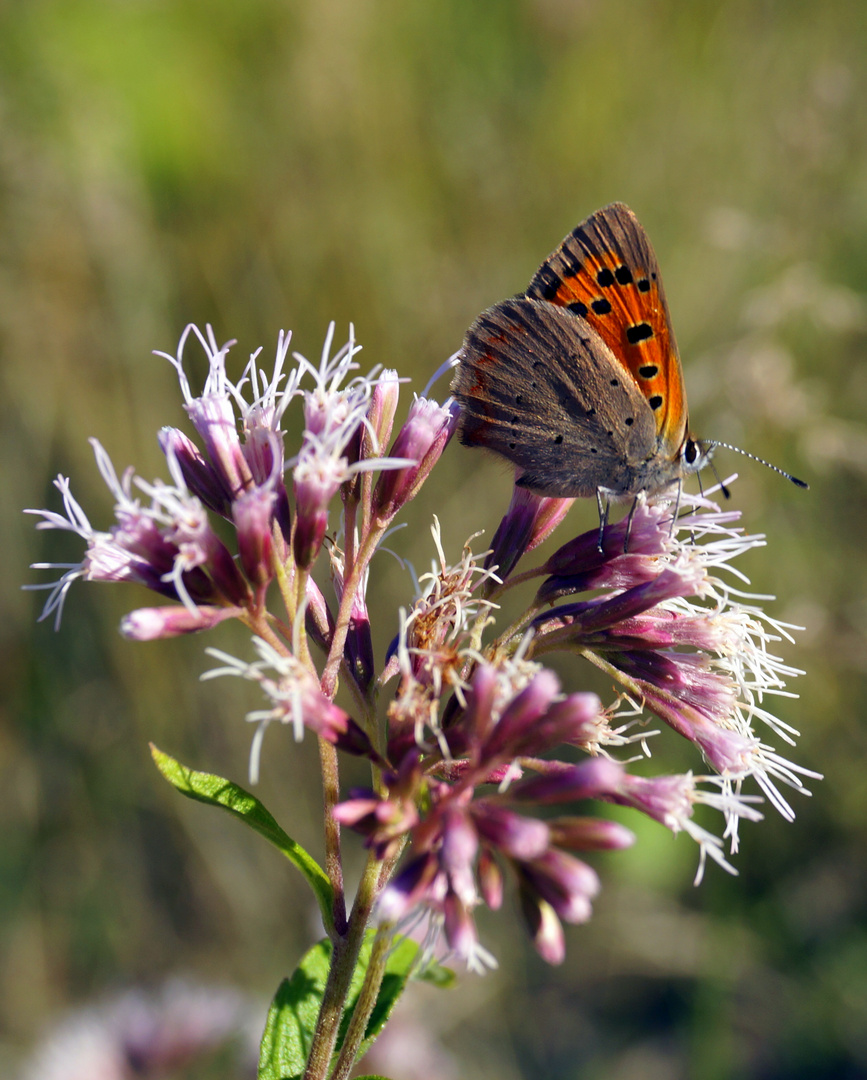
{"x": 639, "y": 332}
{"x": 604, "y": 277}
{"x": 648, "y": 371}
{"x": 548, "y": 282}
{"x": 601, "y": 306}
{"x": 571, "y": 263}
{"x": 623, "y": 275}
{"x": 655, "y": 402}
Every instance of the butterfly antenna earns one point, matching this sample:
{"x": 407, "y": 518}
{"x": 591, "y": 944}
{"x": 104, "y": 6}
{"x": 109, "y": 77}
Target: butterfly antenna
{"x": 761, "y": 461}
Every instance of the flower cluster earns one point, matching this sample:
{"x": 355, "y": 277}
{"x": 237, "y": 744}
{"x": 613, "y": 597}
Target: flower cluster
{"x": 483, "y": 770}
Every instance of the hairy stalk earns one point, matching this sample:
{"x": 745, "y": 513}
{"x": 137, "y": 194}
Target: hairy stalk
{"x": 518, "y": 627}
{"x": 366, "y": 1001}
{"x": 513, "y": 581}
{"x": 333, "y": 859}
{"x": 260, "y": 626}
{"x": 343, "y": 963}
{"x": 300, "y": 603}
{"x": 350, "y": 511}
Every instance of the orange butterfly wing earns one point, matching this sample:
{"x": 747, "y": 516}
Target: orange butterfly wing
{"x": 606, "y": 273}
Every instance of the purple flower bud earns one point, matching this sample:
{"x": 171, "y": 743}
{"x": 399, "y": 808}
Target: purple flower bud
{"x": 214, "y": 419}
{"x": 563, "y": 722}
{"x": 319, "y": 620}
{"x": 662, "y": 628}
{"x": 592, "y": 779}
{"x": 137, "y": 551}
{"x": 263, "y": 446}
{"x": 360, "y": 811}
{"x": 529, "y": 520}
{"x": 623, "y": 572}
{"x": 351, "y": 740}
{"x": 566, "y": 883}
{"x": 569, "y": 721}
{"x": 407, "y": 889}
{"x": 199, "y": 475}
{"x": 665, "y": 586}
{"x": 679, "y": 682}
{"x": 283, "y": 515}
{"x": 149, "y": 624}
{"x": 457, "y": 855}
{"x": 545, "y": 928}
{"x": 490, "y": 880}
{"x": 316, "y": 481}
{"x": 729, "y": 752}
{"x": 199, "y": 546}
{"x": 649, "y": 534}
{"x": 380, "y": 414}
{"x": 516, "y": 836}
{"x": 589, "y": 834}
{"x": 522, "y": 713}
{"x": 664, "y": 798}
{"x": 476, "y": 719}
{"x": 253, "y": 513}
{"x": 422, "y": 439}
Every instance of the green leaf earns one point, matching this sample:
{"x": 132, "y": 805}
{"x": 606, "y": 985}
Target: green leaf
{"x": 295, "y": 1008}
{"x": 215, "y": 790}
{"x": 292, "y": 1017}
{"x": 436, "y": 975}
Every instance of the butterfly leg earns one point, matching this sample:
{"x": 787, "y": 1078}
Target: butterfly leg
{"x": 603, "y": 505}
{"x": 676, "y": 510}
{"x": 635, "y": 504}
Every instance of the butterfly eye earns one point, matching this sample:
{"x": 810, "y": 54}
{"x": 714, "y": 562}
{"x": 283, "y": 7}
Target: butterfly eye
{"x": 690, "y": 452}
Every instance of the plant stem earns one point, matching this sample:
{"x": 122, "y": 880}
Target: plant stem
{"x": 512, "y": 582}
{"x": 365, "y": 1003}
{"x": 333, "y": 860}
{"x": 344, "y": 959}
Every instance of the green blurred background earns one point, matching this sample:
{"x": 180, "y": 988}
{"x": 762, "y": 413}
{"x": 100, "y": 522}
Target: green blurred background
{"x": 402, "y": 164}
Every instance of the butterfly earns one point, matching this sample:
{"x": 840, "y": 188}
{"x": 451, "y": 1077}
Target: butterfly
{"x": 578, "y": 381}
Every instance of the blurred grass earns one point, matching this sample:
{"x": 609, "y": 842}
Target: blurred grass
{"x": 403, "y": 165}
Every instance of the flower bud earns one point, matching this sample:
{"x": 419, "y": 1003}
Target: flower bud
{"x": 150, "y": 624}
{"x": 517, "y": 836}
{"x": 544, "y": 927}
{"x": 589, "y": 834}
{"x": 422, "y": 439}
{"x": 199, "y": 475}
{"x": 214, "y": 419}
{"x": 490, "y": 880}
{"x": 589, "y": 780}
{"x": 253, "y": 512}
{"x": 528, "y": 521}
{"x": 316, "y": 481}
